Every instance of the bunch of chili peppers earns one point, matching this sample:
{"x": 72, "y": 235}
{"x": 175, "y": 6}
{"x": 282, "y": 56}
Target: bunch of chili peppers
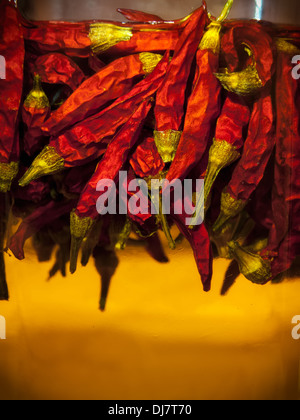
{"x": 199, "y": 98}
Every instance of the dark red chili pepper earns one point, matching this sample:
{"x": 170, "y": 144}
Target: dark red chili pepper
{"x": 42, "y": 216}
{"x": 11, "y": 85}
{"x": 5, "y": 205}
{"x": 229, "y": 138}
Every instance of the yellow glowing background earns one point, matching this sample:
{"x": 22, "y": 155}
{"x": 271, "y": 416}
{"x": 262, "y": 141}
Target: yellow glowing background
{"x": 161, "y": 337}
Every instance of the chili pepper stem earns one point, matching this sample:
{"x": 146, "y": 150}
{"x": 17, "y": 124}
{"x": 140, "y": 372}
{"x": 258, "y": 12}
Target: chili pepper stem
{"x": 124, "y": 235}
{"x": 165, "y": 225}
{"x": 46, "y": 163}
{"x": 251, "y": 265}
{"x": 75, "y": 249}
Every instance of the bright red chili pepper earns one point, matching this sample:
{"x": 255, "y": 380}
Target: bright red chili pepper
{"x": 113, "y": 81}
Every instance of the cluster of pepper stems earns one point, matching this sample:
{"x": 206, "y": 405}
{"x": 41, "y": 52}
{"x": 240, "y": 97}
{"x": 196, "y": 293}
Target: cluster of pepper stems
{"x": 195, "y": 98}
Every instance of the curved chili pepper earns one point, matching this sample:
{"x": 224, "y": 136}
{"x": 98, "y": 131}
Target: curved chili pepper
{"x": 106, "y": 263}
{"x": 57, "y": 68}
{"x": 171, "y": 96}
{"x": 256, "y": 154}
{"x": 113, "y": 81}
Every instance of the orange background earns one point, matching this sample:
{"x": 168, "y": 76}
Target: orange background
{"x": 161, "y": 336}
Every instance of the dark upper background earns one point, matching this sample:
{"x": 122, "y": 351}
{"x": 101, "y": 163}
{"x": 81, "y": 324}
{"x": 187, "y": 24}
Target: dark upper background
{"x": 280, "y": 11}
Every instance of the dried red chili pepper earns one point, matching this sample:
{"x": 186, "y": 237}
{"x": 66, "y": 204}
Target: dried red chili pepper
{"x": 284, "y": 243}
{"x": 201, "y": 245}
{"x": 118, "y": 39}
{"x": 85, "y": 141}
{"x": 106, "y": 263}
{"x": 43, "y": 245}
{"x": 5, "y": 206}
{"x": 36, "y": 109}
{"x": 11, "y": 86}
{"x": 171, "y": 96}
{"x": 231, "y": 124}
{"x": 68, "y": 37}
{"x": 138, "y": 16}
{"x": 257, "y": 68}
{"x": 250, "y": 169}
{"x": 57, "y": 68}
{"x": 204, "y": 103}
{"x": 108, "y": 168}
{"x": 38, "y": 219}
{"x": 113, "y": 81}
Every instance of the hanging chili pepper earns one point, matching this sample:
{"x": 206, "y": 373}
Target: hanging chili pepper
{"x": 85, "y": 142}
{"x": 60, "y": 234}
{"x": 67, "y": 37}
{"x": 171, "y": 96}
{"x": 284, "y": 244}
{"x": 5, "y": 206}
{"x": 113, "y": 81}
{"x": 115, "y": 157}
{"x": 42, "y": 216}
{"x": 204, "y": 103}
{"x": 36, "y": 109}
{"x": 11, "y": 86}
{"x": 43, "y": 245}
{"x": 250, "y": 169}
{"x": 57, "y": 68}
{"x": 231, "y": 124}
{"x": 118, "y": 39}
